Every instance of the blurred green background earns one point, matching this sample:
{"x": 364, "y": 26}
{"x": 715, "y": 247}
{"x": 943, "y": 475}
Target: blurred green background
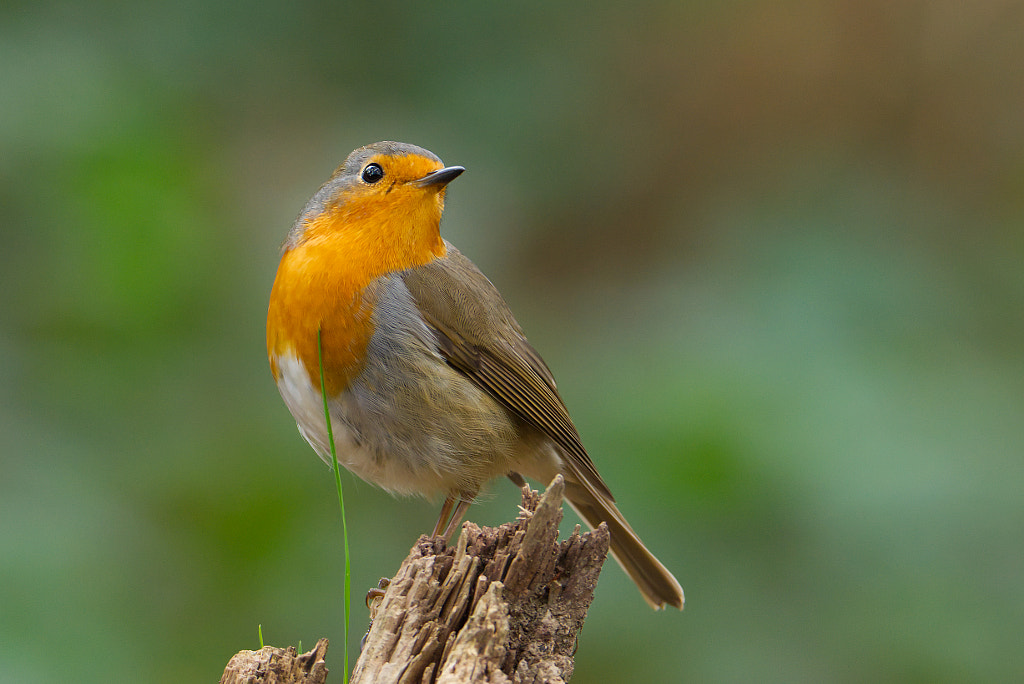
{"x": 774, "y": 253}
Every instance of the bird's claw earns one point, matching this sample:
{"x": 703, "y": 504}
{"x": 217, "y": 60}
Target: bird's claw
{"x": 373, "y": 600}
{"x": 375, "y": 595}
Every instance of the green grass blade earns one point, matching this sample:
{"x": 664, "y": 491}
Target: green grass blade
{"x": 341, "y": 498}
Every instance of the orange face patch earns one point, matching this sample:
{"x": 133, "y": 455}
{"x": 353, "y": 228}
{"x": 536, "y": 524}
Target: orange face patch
{"x": 366, "y": 232}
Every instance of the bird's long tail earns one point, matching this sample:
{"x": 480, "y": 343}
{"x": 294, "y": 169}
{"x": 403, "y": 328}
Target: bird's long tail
{"x": 655, "y": 582}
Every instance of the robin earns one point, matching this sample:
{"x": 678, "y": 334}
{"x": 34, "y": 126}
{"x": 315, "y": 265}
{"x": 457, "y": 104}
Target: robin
{"x": 431, "y": 384}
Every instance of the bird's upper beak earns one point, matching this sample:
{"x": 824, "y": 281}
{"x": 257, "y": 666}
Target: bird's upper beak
{"x": 441, "y": 177}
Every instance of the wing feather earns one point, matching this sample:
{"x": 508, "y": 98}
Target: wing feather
{"x": 478, "y": 335}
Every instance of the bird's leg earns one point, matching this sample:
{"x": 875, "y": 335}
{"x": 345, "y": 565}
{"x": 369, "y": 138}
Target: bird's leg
{"x": 517, "y": 479}
{"x": 460, "y": 510}
{"x": 446, "y": 510}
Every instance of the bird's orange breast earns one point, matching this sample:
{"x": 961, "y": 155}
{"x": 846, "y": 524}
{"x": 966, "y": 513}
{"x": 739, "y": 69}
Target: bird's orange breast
{"x": 322, "y": 284}
{"x": 309, "y": 296}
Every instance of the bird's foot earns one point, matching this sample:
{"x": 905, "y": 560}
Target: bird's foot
{"x": 374, "y": 597}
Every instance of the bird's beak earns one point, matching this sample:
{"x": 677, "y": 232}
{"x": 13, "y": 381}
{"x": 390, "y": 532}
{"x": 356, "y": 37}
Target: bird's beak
{"x": 441, "y": 177}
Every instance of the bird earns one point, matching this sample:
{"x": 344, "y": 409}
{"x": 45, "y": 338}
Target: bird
{"x": 432, "y": 386}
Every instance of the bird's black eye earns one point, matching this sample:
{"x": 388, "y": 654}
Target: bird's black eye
{"x": 372, "y": 173}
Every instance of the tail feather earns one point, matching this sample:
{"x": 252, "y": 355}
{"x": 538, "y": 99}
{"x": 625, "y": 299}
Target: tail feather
{"x": 656, "y": 583}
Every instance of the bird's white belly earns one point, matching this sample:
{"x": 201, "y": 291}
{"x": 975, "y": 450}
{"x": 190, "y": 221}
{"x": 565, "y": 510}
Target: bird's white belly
{"x": 357, "y": 453}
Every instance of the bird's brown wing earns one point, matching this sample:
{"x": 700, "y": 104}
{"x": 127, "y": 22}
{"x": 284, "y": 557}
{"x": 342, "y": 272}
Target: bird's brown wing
{"x": 478, "y": 335}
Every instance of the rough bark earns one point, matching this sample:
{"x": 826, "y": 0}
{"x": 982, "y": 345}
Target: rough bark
{"x": 271, "y": 665}
{"x": 504, "y": 604}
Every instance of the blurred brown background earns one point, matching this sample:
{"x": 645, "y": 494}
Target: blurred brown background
{"x": 772, "y": 251}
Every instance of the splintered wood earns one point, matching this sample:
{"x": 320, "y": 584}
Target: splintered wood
{"x": 271, "y": 665}
{"x": 505, "y": 604}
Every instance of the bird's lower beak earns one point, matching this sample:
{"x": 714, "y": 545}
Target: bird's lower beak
{"x": 441, "y": 177}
